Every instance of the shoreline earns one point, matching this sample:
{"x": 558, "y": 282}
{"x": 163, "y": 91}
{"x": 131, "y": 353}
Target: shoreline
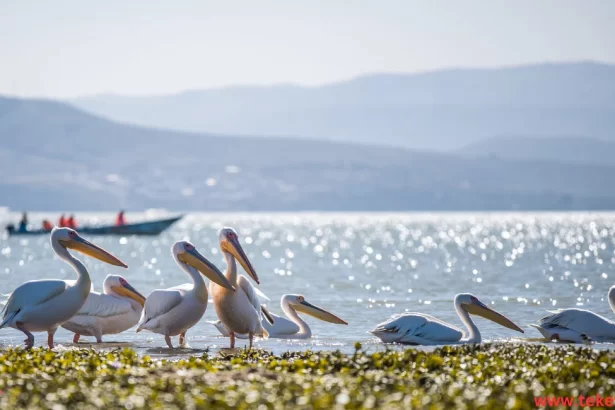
{"x": 491, "y": 375}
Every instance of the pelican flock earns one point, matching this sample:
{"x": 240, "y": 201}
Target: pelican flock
{"x": 294, "y": 327}
{"x": 171, "y": 312}
{"x": 115, "y": 310}
{"x": 422, "y": 329}
{"x": 240, "y": 310}
{"x": 577, "y": 325}
{"x": 44, "y": 305}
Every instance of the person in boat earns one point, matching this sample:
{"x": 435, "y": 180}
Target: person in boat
{"x": 23, "y": 223}
{"x": 71, "y": 222}
{"x": 120, "y": 221}
{"x": 62, "y": 222}
{"x": 47, "y": 225}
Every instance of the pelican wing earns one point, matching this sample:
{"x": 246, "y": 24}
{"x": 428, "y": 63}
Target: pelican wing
{"x": 101, "y": 305}
{"x": 417, "y": 328}
{"x": 281, "y": 326}
{"x": 580, "y": 321}
{"x": 250, "y": 292}
{"x": 33, "y": 293}
{"x": 160, "y": 302}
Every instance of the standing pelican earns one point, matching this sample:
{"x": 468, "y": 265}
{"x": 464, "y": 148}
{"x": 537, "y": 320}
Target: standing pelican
{"x": 577, "y": 325}
{"x": 171, "y": 312}
{"x": 296, "y": 327}
{"x": 117, "y": 309}
{"x": 240, "y": 311}
{"x": 43, "y": 305}
{"x": 421, "y": 329}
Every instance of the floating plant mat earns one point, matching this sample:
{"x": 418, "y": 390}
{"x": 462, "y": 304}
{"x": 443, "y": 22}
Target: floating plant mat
{"x": 488, "y": 376}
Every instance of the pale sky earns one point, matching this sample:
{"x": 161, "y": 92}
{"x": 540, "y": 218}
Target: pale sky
{"x": 67, "y": 48}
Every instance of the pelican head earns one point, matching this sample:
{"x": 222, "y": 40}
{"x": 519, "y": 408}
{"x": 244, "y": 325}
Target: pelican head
{"x": 229, "y": 243}
{"x": 473, "y": 306}
{"x": 70, "y": 239}
{"x": 299, "y": 303}
{"x": 185, "y": 252}
{"x": 120, "y": 286}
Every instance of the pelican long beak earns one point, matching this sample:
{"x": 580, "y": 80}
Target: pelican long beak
{"x": 318, "y": 313}
{"x": 233, "y": 247}
{"x": 128, "y": 291}
{"x": 88, "y": 248}
{"x": 200, "y": 263}
{"x": 480, "y": 309}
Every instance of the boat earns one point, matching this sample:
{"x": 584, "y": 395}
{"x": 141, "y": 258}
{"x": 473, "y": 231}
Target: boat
{"x": 139, "y": 228}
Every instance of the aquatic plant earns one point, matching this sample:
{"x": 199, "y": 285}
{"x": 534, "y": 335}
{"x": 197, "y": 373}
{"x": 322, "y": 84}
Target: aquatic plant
{"x": 492, "y": 376}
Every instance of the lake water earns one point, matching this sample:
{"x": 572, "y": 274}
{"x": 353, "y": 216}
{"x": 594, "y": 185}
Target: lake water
{"x": 362, "y": 267}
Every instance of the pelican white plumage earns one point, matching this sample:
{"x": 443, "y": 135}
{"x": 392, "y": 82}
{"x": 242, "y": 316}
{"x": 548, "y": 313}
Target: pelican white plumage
{"x": 577, "y": 325}
{"x": 116, "y": 309}
{"x": 43, "y": 305}
{"x": 239, "y": 311}
{"x": 422, "y": 329}
{"x": 294, "y": 327}
{"x": 171, "y": 312}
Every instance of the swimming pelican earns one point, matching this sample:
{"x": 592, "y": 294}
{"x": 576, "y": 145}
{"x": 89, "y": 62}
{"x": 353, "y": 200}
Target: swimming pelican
{"x": 240, "y": 311}
{"x": 171, "y": 312}
{"x": 117, "y": 309}
{"x": 296, "y": 327}
{"x": 577, "y": 325}
{"x": 418, "y": 328}
{"x": 43, "y": 305}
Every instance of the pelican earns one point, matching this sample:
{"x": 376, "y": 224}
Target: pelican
{"x": 117, "y": 309}
{"x": 43, "y": 305}
{"x": 240, "y": 311}
{"x": 296, "y": 327}
{"x": 171, "y": 312}
{"x": 421, "y": 329}
{"x": 578, "y": 325}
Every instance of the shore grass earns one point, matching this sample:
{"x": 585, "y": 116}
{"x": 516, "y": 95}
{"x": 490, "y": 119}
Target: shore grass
{"x": 492, "y": 376}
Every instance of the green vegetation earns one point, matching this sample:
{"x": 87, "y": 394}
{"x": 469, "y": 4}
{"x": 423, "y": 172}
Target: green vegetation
{"x": 490, "y": 376}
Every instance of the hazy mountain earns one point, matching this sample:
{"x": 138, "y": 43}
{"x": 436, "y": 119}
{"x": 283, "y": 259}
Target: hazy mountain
{"x": 54, "y": 157}
{"x": 441, "y": 110}
{"x": 562, "y": 149}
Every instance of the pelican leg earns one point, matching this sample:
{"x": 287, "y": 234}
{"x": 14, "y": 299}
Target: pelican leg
{"x": 98, "y": 335}
{"x": 232, "y": 336}
{"x": 76, "y": 338}
{"x": 168, "y": 340}
{"x": 251, "y": 336}
{"x": 29, "y": 342}
{"x": 50, "y": 334}
{"x": 182, "y": 339}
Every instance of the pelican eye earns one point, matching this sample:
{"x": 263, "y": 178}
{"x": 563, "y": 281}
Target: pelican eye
{"x": 123, "y": 281}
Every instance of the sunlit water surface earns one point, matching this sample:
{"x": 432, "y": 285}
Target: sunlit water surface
{"x": 362, "y": 267}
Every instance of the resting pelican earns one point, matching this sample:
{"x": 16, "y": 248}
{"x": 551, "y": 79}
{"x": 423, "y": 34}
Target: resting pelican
{"x": 43, "y": 305}
{"x": 171, "y": 312}
{"x": 240, "y": 311}
{"x": 577, "y": 325}
{"x": 117, "y": 309}
{"x": 418, "y": 328}
{"x": 296, "y": 327}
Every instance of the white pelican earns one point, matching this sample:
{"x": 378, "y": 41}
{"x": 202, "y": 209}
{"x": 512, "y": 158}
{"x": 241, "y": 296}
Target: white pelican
{"x": 418, "y": 328}
{"x": 296, "y": 327}
{"x": 577, "y": 325}
{"x": 240, "y": 311}
{"x": 171, "y": 312}
{"x": 117, "y": 309}
{"x": 43, "y": 305}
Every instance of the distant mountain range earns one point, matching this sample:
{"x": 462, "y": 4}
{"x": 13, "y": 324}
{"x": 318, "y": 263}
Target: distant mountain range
{"x": 443, "y": 110}
{"x": 562, "y": 149}
{"x": 56, "y": 157}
